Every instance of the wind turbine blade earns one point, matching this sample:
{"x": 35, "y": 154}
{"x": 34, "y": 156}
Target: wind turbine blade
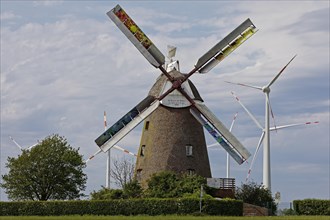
{"x": 32, "y": 146}
{"x": 136, "y": 36}
{"x": 246, "y": 85}
{"x": 233, "y": 122}
{"x": 271, "y": 112}
{"x": 293, "y": 125}
{"x": 129, "y": 121}
{"x": 227, "y": 45}
{"x": 220, "y": 133}
{"x": 124, "y": 150}
{"x": 213, "y": 145}
{"x": 275, "y": 78}
{"x": 105, "y": 120}
{"x": 91, "y": 157}
{"x": 255, "y": 156}
{"x": 19, "y": 146}
{"x": 247, "y": 111}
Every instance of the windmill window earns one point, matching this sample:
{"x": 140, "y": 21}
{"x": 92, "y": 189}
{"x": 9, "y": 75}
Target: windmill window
{"x": 191, "y": 171}
{"x": 189, "y": 150}
{"x": 146, "y": 127}
{"x": 138, "y": 174}
{"x": 142, "y": 150}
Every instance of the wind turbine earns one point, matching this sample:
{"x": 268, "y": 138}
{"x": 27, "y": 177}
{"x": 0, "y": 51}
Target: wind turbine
{"x": 108, "y": 167}
{"x": 228, "y": 156}
{"x": 266, "y": 157}
{"x": 263, "y": 131}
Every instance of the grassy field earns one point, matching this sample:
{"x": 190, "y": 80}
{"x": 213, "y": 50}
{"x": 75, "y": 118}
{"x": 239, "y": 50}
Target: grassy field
{"x": 172, "y": 217}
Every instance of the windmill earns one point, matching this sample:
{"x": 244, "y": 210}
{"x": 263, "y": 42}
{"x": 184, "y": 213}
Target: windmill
{"x": 20, "y": 147}
{"x": 275, "y": 128}
{"x": 266, "y": 151}
{"x": 228, "y": 156}
{"x": 173, "y": 112}
{"x": 108, "y": 166}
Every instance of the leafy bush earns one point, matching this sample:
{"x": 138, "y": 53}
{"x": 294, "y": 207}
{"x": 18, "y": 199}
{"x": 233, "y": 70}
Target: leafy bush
{"x": 151, "y": 206}
{"x": 256, "y": 194}
{"x": 312, "y": 207}
{"x": 107, "y": 194}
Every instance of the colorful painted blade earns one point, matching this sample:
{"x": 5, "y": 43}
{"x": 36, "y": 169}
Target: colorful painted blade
{"x": 136, "y": 36}
{"x": 129, "y": 121}
{"x": 227, "y": 45}
{"x": 221, "y": 134}
{"x": 231, "y": 127}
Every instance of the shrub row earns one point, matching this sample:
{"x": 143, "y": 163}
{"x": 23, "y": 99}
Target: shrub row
{"x": 123, "y": 207}
{"x": 312, "y": 207}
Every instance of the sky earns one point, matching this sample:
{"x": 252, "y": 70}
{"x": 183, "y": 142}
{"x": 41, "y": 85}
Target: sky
{"x": 63, "y": 63}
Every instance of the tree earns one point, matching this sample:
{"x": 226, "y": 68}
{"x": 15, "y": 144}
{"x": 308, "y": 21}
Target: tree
{"x": 122, "y": 171}
{"x": 163, "y": 185}
{"x": 107, "y": 194}
{"x": 52, "y": 170}
{"x": 132, "y": 190}
{"x": 256, "y": 194}
{"x": 167, "y": 184}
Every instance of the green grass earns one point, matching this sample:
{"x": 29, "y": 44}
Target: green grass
{"x": 170, "y": 217}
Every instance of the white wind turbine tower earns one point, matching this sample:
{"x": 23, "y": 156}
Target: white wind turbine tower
{"x": 263, "y": 132}
{"x": 266, "y": 154}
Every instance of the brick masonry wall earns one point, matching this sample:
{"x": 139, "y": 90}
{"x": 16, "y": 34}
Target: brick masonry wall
{"x": 253, "y": 210}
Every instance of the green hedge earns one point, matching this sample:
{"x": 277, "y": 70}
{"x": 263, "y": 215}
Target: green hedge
{"x": 312, "y": 207}
{"x": 123, "y": 207}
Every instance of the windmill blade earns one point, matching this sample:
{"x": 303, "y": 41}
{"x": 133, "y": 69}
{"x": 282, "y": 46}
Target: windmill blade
{"x": 124, "y": 150}
{"x": 220, "y": 133}
{"x": 227, "y": 45}
{"x": 136, "y": 36}
{"x": 255, "y": 155}
{"x": 19, "y": 146}
{"x": 292, "y": 125}
{"x": 275, "y": 78}
{"x": 129, "y": 121}
{"x": 231, "y": 127}
{"x": 246, "y": 85}
{"x": 247, "y": 111}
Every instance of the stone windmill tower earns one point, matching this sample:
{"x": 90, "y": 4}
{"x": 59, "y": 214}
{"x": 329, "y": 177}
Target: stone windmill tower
{"x": 174, "y": 114}
{"x": 172, "y": 138}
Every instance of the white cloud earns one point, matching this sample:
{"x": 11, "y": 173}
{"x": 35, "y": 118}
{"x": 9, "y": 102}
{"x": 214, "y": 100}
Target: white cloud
{"x": 47, "y": 3}
{"x": 8, "y": 15}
